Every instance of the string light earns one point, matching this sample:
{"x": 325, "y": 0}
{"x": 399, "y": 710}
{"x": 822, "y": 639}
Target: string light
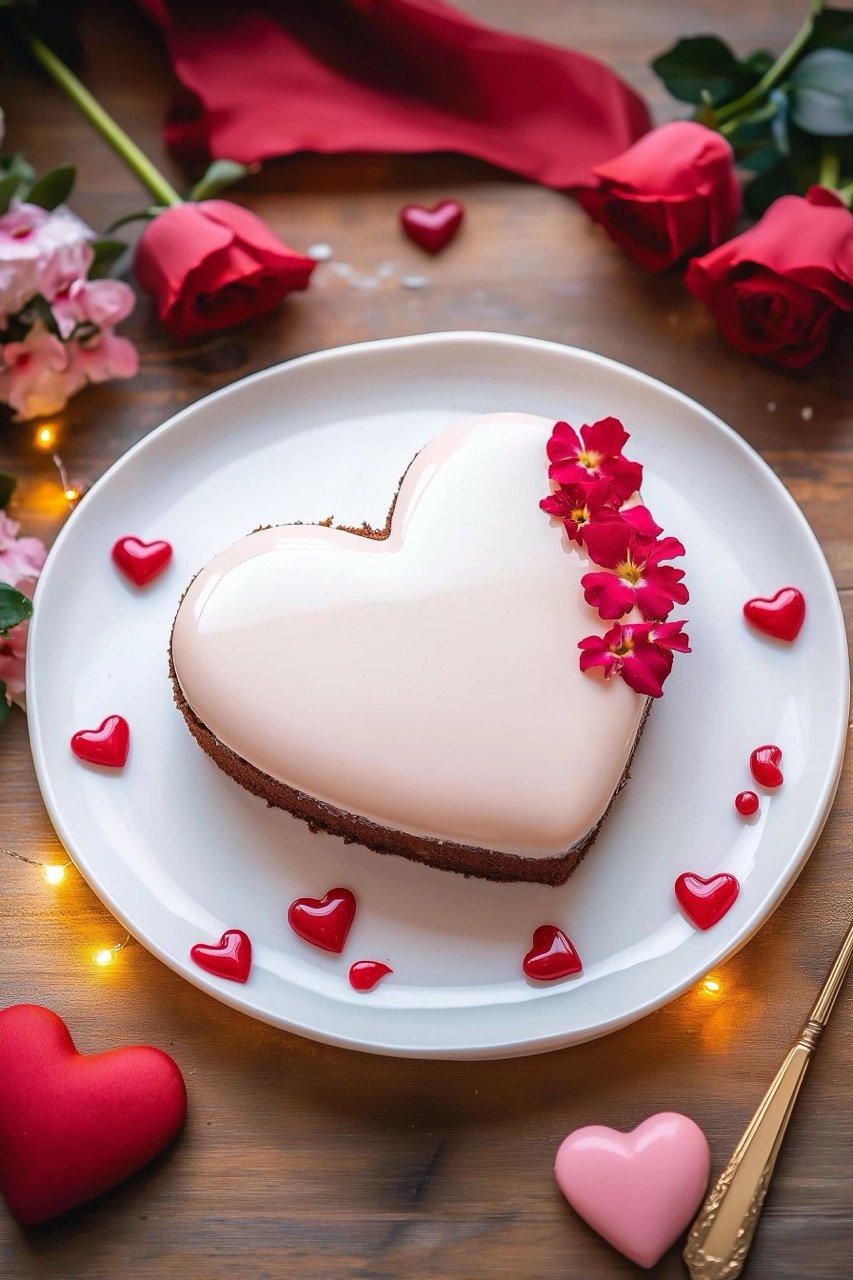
{"x": 107, "y": 955}
{"x": 711, "y": 986}
{"x": 55, "y": 872}
{"x": 72, "y": 490}
{"x": 45, "y": 438}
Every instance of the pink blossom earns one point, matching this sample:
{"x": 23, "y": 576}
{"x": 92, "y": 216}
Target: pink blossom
{"x": 19, "y": 557}
{"x": 41, "y": 252}
{"x": 638, "y": 579}
{"x": 579, "y": 504}
{"x": 36, "y": 377}
{"x": 595, "y": 455}
{"x": 13, "y": 651}
{"x": 638, "y": 652}
{"x": 103, "y": 356}
{"x": 100, "y": 302}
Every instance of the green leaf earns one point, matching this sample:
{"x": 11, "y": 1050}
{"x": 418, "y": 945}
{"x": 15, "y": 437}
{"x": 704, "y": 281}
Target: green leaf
{"x": 760, "y": 159}
{"x": 833, "y": 29}
{"x": 760, "y": 61}
{"x": 14, "y": 607}
{"x": 53, "y": 188}
{"x": 704, "y": 68}
{"x": 766, "y": 187}
{"x": 107, "y": 252}
{"x": 4, "y": 706}
{"x": 220, "y": 175}
{"x": 7, "y": 488}
{"x": 9, "y": 185}
{"x": 150, "y": 212}
{"x": 821, "y": 93}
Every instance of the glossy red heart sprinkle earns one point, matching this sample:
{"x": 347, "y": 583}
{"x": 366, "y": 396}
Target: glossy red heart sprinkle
{"x": 324, "y": 922}
{"x": 434, "y": 228}
{"x": 230, "y": 957}
{"x": 704, "y": 902}
{"x": 764, "y": 766}
{"x": 780, "y": 616}
{"x": 107, "y": 745}
{"x": 551, "y": 955}
{"x": 746, "y": 803}
{"x": 141, "y": 561}
{"x": 364, "y": 974}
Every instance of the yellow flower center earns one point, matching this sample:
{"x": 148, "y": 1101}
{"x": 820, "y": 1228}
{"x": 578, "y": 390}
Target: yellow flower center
{"x": 629, "y": 571}
{"x": 589, "y": 458}
{"x": 622, "y": 649}
{"x": 580, "y": 515}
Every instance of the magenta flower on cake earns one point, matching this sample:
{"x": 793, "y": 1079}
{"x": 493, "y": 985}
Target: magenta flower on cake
{"x": 637, "y": 578}
{"x": 579, "y": 504}
{"x": 630, "y": 651}
{"x": 594, "y": 455}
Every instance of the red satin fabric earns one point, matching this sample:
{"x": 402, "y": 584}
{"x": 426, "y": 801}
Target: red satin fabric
{"x": 269, "y": 77}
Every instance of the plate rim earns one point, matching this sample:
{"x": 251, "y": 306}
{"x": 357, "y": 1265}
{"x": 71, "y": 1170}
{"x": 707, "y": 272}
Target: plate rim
{"x": 508, "y": 1047}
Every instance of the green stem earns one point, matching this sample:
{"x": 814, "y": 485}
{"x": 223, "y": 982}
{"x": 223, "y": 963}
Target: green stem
{"x": 830, "y": 168}
{"x": 773, "y": 74}
{"x": 124, "y": 146}
{"x": 846, "y": 193}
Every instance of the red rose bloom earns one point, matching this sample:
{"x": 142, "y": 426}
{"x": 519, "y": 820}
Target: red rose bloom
{"x": 214, "y": 264}
{"x": 673, "y": 193}
{"x": 774, "y": 290}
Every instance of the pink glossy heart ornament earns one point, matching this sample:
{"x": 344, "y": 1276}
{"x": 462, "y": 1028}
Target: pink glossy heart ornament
{"x": 705, "y": 902}
{"x": 434, "y": 228}
{"x": 108, "y": 745}
{"x": 230, "y": 957}
{"x": 638, "y": 1190}
{"x": 141, "y": 561}
{"x": 780, "y": 616}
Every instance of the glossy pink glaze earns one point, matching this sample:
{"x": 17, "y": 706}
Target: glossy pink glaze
{"x": 141, "y": 561}
{"x": 364, "y": 974}
{"x": 324, "y": 922}
{"x": 638, "y": 1190}
{"x": 107, "y": 745}
{"x": 551, "y": 955}
{"x": 764, "y": 765}
{"x": 746, "y": 803}
{"x": 780, "y": 616}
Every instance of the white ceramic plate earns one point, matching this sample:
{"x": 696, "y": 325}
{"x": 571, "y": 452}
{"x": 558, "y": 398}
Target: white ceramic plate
{"x": 180, "y": 853}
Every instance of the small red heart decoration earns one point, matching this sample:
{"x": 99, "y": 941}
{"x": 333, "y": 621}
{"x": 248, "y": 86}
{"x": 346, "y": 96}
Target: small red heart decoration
{"x": 780, "y": 616}
{"x": 107, "y": 745}
{"x": 364, "y": 974}
{"x": 73, "y": 1125}
{"x": 141, "y": 561}
{"x": 324, "y": 922}
{"x": 704, "y": 902}
{"x": 764, "y": 766}
{"x": 551, "y": 955}
{"x": 230, "y": 957}
{"x": 434, "y": 228}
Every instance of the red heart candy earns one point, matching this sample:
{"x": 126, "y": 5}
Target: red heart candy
{"x": 764, "y": 766}
{"x": 781, "y": 616}
{"x": 551, "y": 955}
{"x": 230, "y": 957}
{"x": 141, "y": 561}
{"x": 434, "y": 228}
{"x": 73, "y": 1125}
{"x": 107, "y": 745}
{"x": 324, "y": 922}
{"x": 364, "y": 974}
{"x": 704, "y": 902}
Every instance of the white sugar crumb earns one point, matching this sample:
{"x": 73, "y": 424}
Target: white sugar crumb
{"x": 807, "y": 413}
{"x": 320, "y": 252}
{"x": 386, "y": 269}
{"x": 771, "y": 406}
{"x": 414, "y": 282}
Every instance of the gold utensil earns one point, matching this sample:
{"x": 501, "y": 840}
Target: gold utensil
{"x": 720, "y": 1238}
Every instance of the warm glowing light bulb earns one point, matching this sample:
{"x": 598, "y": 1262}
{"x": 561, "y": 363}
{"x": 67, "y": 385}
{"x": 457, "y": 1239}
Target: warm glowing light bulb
{"x": 72, "y": 495}
{"x": 105, "y": 957}
{"x": 45, "y": 437}
{"x": 54, "y": 873}
{"x": 712, "y": 986}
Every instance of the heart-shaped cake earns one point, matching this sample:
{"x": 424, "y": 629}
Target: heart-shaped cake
{"x": 417, "y": 688}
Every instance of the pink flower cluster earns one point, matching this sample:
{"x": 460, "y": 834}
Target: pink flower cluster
{"x": 56, "y": 325}
{"x": 21, "y": 561}
{"x": 596, "y": 496}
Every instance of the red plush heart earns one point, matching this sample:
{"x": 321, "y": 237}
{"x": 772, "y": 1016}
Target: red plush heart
{"x": 551, "y": 955}
{"x": 106, "y": 745}
{"x": 780, "y": 616}
{"x": 324, "y": 922}
{"x": 434, "y": 228}
{"x": 230, "y": 957}
{"x": 704, "y": 902}
{"x": 73, "y": 1125}
{"x": 764, "y": 766}
{"x": 141, "y": 561}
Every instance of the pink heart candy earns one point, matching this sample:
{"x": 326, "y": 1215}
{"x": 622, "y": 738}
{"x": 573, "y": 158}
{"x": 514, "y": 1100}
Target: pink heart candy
{"x": 638, "y": 1190}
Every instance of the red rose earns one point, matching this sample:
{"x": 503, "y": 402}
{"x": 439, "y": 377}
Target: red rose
{"x": 672, "y": 193}
{"x": 213, "y": 264}
{"x": 774, "y": 290}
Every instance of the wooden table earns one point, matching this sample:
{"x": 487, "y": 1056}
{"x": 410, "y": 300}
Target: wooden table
{"x": 317, "y": 1163}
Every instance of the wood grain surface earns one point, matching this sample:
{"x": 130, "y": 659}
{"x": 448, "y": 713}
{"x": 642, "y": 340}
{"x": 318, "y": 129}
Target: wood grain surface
{"x": 317, "y": 1163}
